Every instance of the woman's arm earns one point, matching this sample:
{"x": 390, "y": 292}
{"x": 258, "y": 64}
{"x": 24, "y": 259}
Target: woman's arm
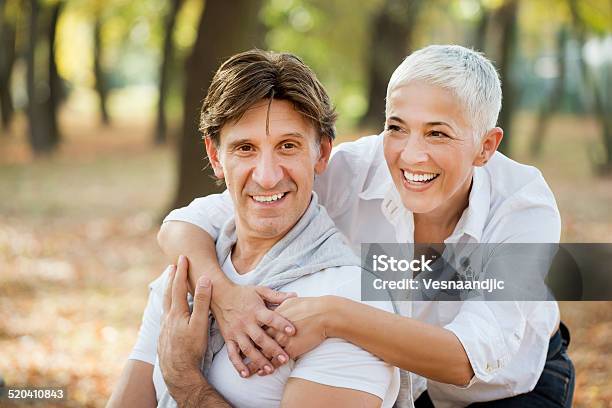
{"x": 430, "y": 351}
{"x": 240, "y": 310}
{"x": 135, "y": 387}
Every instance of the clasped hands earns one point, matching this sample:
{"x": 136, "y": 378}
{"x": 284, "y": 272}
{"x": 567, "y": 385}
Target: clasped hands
{"x": 251, "y": 329}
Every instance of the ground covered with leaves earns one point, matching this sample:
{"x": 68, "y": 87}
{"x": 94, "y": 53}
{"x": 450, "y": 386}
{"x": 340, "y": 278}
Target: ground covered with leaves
{"x": 77, "y": 250}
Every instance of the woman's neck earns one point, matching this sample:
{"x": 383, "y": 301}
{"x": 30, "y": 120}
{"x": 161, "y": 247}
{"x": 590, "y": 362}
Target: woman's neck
{"x": 439, "y": 224}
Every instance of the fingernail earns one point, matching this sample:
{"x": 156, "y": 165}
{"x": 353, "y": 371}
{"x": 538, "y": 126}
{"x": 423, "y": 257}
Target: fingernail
{"x": 282, "y": 358}
{"x": 260, "y": 372}
{"x": 181, "y": 258}
{"x": 204, "y": 282}
{"x": 289, "y": 329}
{"x": 268, "y": 369}
{"x": 243, "y": 373}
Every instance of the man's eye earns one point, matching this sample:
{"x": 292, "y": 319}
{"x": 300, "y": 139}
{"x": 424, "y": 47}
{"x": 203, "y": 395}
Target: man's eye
{"x": 288, "y": 146}
{"x": 245, "y": 148}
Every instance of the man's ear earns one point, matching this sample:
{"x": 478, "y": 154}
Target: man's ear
{"x": 213, "y": 157}
{"x": 488, "y": 146}
{"x": 325, "y": 148}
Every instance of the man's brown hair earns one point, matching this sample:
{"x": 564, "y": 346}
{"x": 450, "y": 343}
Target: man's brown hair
{"x": 255, "y": 75}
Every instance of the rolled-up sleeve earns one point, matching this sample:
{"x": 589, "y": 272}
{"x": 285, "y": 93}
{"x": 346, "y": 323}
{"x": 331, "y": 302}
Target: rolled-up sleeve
{"x": 208, "y": 213}
{"x": 491, "y": 334}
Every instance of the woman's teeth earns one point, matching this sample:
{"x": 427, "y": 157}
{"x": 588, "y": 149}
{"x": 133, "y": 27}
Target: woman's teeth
{"x": 422, "y": 178}
{"x": 267, "y": 199}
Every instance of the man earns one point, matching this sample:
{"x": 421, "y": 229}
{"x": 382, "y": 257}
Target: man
{"x": 268, "y": 127}
{"x": 433, "y": 176}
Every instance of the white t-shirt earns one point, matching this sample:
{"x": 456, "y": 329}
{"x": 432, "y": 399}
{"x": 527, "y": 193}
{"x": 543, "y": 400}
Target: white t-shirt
{"x": 335, "y": 362}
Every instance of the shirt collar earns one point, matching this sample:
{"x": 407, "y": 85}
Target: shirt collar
{"x": 474, "y": 218}
{"x": 378, "y": 181}
{"x": 472, "y": 221}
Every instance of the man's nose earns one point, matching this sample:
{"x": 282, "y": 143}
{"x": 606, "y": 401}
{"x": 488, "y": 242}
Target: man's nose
{"x": 268, "y": 172}
{"x": 415, "y": 150}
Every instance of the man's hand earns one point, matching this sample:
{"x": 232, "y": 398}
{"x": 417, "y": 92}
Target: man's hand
{"x": 184, "y": 336}
{"x": 310, "y": 318}
{"x": 241, "y": 312}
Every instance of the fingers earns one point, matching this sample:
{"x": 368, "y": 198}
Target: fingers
{"x": 171, "y": 270}
{"x": 281, "y": 338}
{"x": 275, "y": 320}
{"x": 273, "y": 296}
{"x": 268, "y": 346}
{"x": 251, "y": 352}
{"x": 234, "y": 355}
{"x": 201, "y": 305}
{"x": 179, "y": 287}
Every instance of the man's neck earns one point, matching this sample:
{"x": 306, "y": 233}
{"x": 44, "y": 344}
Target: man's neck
{"x": 248, "y": 251}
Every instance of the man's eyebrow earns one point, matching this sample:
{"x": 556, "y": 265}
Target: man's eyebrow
{"x": 294, "y": 134}
{"x": 245, "y": 140}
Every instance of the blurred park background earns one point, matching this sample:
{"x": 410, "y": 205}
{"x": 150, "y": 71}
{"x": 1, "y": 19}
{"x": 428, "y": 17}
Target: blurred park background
{"x": 99, "y": 104}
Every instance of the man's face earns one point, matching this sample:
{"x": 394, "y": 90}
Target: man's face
{"x": 269, "y": 172}
{"x": 429, "y": 147}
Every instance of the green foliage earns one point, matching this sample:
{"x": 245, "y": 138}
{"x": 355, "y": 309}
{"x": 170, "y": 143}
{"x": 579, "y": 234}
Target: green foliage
{"x": 333, "y": 39}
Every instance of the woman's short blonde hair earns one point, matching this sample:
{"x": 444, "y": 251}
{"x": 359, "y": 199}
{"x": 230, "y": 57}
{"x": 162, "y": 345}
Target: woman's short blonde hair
{"x": 465, "y": 72}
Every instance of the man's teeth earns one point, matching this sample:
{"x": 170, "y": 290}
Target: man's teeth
{"x": 419, "y": 177}
{"x": 266, "y": 199}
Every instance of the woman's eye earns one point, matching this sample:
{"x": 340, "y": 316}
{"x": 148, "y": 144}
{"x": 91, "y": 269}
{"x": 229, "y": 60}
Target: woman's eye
{"x": 393, "y": 128}
{"x": 435, "y": 133}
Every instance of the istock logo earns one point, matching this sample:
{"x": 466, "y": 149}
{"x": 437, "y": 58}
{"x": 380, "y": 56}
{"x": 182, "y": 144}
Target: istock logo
{"x": 383, "y": 263}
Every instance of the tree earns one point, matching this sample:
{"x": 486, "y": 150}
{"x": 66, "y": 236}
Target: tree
{"x": 164, "y": 71}
{"x": 7, "y": 60}
{"x": 392, "y": 31}
{"x": 56, "y": 93}
{"x": 552, "y": 104}
{"x": 506, "y": 17}
{"x": 101, "y": 84}
{"x": 225, "y": 28}
{"x": 43, "y": 86}
{"x": 599, "y": 107}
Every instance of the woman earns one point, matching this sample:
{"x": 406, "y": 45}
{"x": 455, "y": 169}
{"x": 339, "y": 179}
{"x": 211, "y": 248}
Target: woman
{"x": 433, "y": 176}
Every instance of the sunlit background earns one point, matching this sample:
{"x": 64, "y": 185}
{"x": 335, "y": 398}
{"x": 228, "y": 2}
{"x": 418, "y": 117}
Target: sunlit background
{"x": 99, "y": 103}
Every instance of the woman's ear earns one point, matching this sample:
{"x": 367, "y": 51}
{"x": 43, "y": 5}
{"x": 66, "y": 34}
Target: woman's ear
{"x": 325, "y": 148}
{"x": 488, "y": 146}
{"x": 213, "y": 156}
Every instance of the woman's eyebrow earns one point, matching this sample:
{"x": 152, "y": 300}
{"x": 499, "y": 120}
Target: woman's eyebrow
{"x": 441, "y": 123}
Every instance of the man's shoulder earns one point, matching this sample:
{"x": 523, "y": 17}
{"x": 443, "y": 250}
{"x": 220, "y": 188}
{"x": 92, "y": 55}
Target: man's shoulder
{"x": 343, "y": 281}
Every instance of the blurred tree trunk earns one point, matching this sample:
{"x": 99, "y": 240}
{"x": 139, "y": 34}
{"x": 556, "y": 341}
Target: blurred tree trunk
{"x": 7, "y": 60}
{"x": 552, "y": 104}
{"x": 241, "y": 31}
{"x": 40, "y": 137}
{"x": 101, "y": 84}
{"x": 506, "y": 17}
{"x": 480, "y": 34}
{"x": 392, "y": 31}
{"x": 599, "y": 107}
{"x": 164, "y": 72}
{"x": 55, "y": 82}
{"x": 42, "y": 84}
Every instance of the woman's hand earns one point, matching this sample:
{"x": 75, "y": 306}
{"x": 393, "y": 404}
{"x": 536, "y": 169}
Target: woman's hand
{"x": 310, "y": 316}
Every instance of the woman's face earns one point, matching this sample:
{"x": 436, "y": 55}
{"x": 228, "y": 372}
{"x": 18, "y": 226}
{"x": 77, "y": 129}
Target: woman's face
{"x": 429, "y": 147}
